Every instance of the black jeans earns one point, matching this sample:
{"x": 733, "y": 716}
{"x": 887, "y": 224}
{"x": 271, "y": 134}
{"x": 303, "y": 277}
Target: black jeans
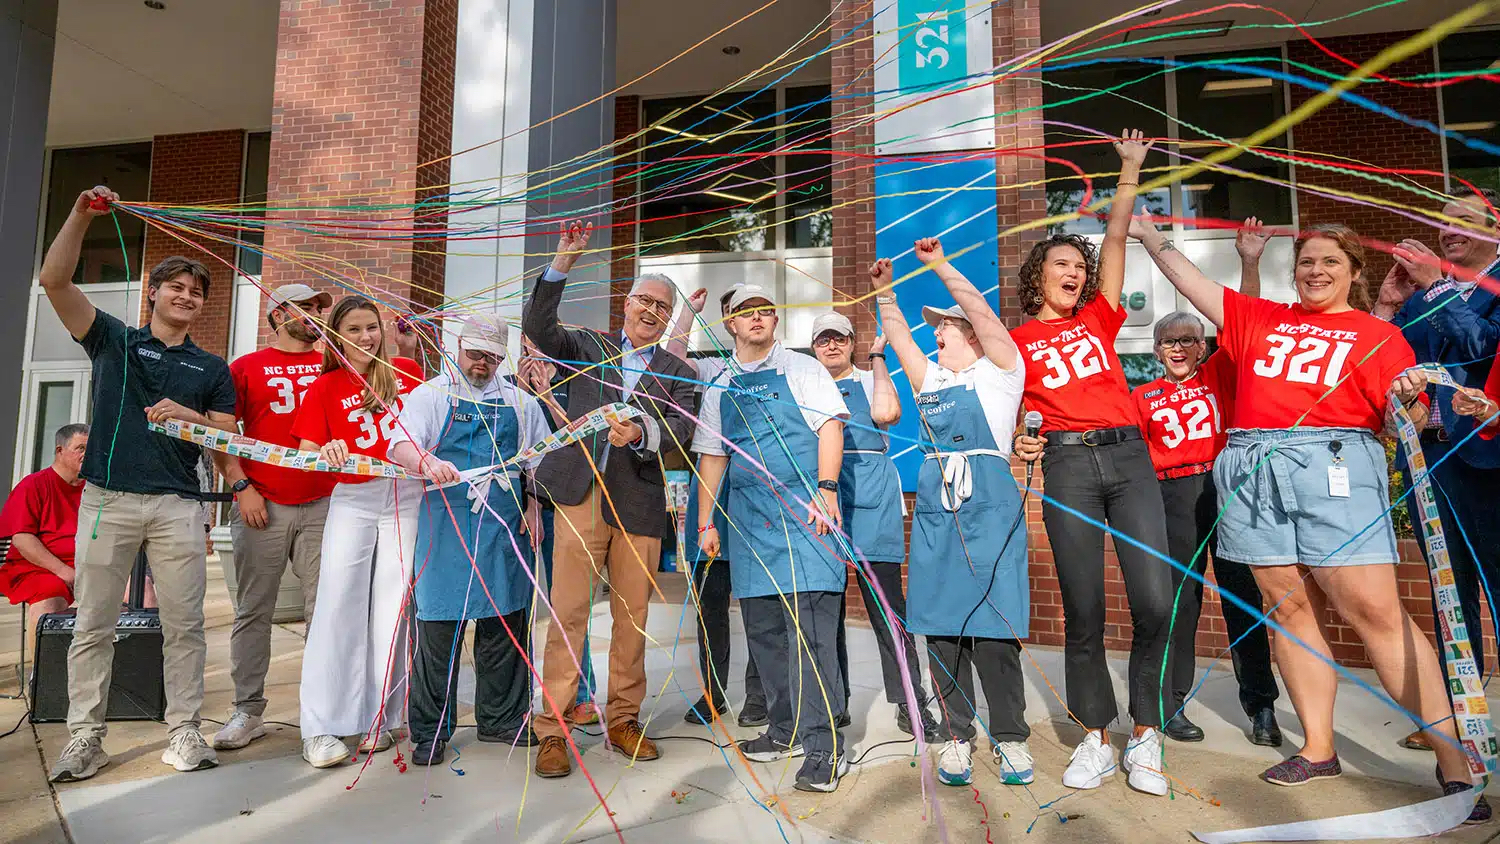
{"x": 502, "y": 693}
{"x": 888, "y": 575}
{"x": 711, "y": 580}
{"x": 1115, "y": 484}
{"x": 1466, "y": 502}
{"x": 1192, "y": 505}
{"x": 798, "y": 670}
{"x": 998, "y": 664}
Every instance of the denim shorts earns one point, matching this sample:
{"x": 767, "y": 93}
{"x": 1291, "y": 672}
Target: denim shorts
{"x": 1274, "y": 487}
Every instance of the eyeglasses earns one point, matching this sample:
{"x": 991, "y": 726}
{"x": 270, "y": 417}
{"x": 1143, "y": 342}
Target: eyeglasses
{"x": 487, "y": 357}
{"x": 1179, "y": 342}
{"x": 831, "y": 340}
{"x": 763, "y": 313}
{"x": 651, "y": 304}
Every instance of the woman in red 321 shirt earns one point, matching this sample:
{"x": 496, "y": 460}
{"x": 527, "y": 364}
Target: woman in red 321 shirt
{"x": 1096, "y": 464}
{"x": 355, "y": 645}
{"x": 1184, "y": 415}
{"x": 1303, "y": 477}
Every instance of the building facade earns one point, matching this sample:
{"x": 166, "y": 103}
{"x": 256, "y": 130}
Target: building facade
{"x": 729, "y": 141}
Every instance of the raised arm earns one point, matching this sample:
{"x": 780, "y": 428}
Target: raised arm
{"x": 539, "y": 319}
{"x": 1132, "y": 148}
{"x": 72, "y": 306}
{"x": 885, "y": 407}
{"x": 897, "y": 332}
{"x": 993, "y": 338}
{"x": 1206, "y": 294}
{"x": 1250, "y": 242}
{"x": 677, "y": 337}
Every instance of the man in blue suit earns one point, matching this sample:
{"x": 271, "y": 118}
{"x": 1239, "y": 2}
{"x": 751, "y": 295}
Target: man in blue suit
{"x": 1456, "y": 324}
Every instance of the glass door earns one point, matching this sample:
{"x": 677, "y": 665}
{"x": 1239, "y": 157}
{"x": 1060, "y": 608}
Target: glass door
{"x": 53, "y": 399}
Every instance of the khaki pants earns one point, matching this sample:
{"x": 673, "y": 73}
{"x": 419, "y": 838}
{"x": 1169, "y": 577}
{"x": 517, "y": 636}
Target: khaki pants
{"x": 111, "y": 528}
{"x": 292, "y": 532}
{"x": 585, "y": 545}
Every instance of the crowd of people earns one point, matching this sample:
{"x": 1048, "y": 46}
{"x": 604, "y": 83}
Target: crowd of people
{"x": 1263, "y": 456}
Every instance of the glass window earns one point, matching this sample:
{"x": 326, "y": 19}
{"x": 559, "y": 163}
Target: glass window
{"x": 1231, "y": 105}
{"x": 1472, "y": 107}
{"x": 256, "y": 180}
{"x": 1112, "y": 95}
{"x": 705, "y": 187}
{"x": 807, "y": 173}
{"x": 125, "y": 169}
{"x": 54, "y": 407}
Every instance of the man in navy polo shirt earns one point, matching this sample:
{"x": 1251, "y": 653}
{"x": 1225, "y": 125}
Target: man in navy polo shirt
{"x": 142, "y": 487}
{"x": 1455, "y": 323}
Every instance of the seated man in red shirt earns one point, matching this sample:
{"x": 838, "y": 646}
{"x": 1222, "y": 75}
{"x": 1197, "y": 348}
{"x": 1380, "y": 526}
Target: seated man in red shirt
{"x": 40, "y": 519}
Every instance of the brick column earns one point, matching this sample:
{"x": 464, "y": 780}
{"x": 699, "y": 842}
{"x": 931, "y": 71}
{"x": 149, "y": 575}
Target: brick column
{"x": 853, "y": 178}
{"x": 622, "y": 237}
{"x": 200, "y": 168}
{"x": 360, "y": 104}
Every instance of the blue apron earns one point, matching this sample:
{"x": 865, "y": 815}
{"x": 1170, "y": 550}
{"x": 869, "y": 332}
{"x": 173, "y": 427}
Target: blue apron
{"x": 958, "y": 571}
{"x": 772, "y": 550}
{"x": 869, "y": 485}
{"x": 448, "y": 588}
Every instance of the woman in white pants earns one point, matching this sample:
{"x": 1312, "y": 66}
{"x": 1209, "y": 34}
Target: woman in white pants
{"x": 355, "y": 656}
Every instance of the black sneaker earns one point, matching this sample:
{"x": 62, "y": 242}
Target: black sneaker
{"x": 841, "y": 720}
{"x": 1481, "y": 812}
{"x": 522, "y": 737}
{"x": 1263, "y": 728}
{"x": 929, "y": 725}
{"x": 754, "y": 714}
{"x": 699, "y": 713}
{"x": 1179, "y": 728}
{"x": 821, "y": 772}
{"x": 429, "y": 752}
{"x": 763, "y": 748}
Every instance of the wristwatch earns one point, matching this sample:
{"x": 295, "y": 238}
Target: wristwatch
{"x": 240, "y": 486}
{"x": 831, "y": 486}
{"x": 874, "y": 355}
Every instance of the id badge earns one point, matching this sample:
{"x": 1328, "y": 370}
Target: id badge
{"x": 1338, "y": 481}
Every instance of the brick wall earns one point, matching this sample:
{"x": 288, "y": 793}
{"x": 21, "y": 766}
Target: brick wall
{"x": 622, "y": 233}
{"x": 200, "y": 168}
{"x": 359, "y": 103}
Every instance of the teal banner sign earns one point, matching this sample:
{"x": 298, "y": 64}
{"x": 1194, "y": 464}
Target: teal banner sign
{"x": 933, "y": 47}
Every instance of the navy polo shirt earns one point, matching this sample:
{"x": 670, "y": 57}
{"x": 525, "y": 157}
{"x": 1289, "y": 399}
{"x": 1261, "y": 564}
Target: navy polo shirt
{"x": 133, "y": 370}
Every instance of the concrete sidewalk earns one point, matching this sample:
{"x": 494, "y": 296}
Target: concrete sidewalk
{"x": 695, "y": 792}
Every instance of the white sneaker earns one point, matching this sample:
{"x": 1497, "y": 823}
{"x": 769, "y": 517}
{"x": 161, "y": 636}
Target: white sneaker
{"x": 81, "y": 759}
{"x": 242, "y": 729}
{"x": 1143, "y": 761}
{"x": 1014, "y": 759}
{"x": 1093, "y": 761}
{"x": 956, "y": 763}
{"x": 324, "y": 751}
{"x": 187, "y": 751}
{"x": 378, "y": 742}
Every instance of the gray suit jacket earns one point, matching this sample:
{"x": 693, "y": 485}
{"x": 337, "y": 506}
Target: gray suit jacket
{"x": 632, "y": 478}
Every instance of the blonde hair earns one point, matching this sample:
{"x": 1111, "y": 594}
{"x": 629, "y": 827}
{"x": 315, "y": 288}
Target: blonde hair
{"x": 381, "y": 378}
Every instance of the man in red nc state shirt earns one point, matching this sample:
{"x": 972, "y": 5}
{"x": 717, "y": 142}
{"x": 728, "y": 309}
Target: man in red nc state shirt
{"x": 278, "y": 514}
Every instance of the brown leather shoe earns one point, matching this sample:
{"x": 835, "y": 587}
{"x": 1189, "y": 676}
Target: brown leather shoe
{"x": 1416, "y": 741}
{"x": 629, "y": 740}
{"x": 552, "y": 758}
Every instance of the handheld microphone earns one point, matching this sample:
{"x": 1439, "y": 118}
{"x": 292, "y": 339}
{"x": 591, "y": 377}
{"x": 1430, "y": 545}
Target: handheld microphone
{"x": 1033, "y": 423}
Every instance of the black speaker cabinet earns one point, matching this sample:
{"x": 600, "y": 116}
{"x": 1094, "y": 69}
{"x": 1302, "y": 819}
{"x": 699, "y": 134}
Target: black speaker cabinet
{"x": 136, "y": 692}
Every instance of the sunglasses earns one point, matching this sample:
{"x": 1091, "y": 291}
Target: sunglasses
{"x": 651, "y": 304}
{"x": 1179, "y": 342}
{"x": 487, "y": 357}
{"x": 830, "y": 339}
{"x": 764, "y": 313}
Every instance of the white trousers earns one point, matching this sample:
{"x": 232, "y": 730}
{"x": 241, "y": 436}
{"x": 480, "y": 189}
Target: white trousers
{"x": 355, "y": 657}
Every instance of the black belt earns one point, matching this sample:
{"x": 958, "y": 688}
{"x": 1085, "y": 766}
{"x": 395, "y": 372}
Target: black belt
{"x": 1097, "y": 436}
{"x": 1435, "y": 435}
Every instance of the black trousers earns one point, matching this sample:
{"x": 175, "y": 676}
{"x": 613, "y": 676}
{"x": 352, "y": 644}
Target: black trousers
{"x": 1114, "y": 484}
{"x": 798, "y": 671}
{"x": 711, "y": 580}
{"x": 888, "y": 575}
{"x": 1192, "y": 505}
{"x": 502, "y": 694}
{"x": 1466, "y": 502}
{"x": 998, "y": 664}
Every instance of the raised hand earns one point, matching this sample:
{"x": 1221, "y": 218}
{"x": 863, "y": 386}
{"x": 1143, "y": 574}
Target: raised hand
{"x": 1132, "y": 147}
{"x": 1251, "y": 239}
{"x": 1422, "y": 265}
{"x": 570, "y": 245}
{"x": 930, "y": 251}
{"x": 1396, "y": 288}
{"x": 1143, "y": 226}
{"x": 696, "y": 301}
{"x": 877, "y": 346}
{"x": 95, "y": 201}
{"x": 880, "y": 274}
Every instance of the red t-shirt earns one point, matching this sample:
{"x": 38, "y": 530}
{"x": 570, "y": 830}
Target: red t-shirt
{"x": 1491, "y": 389}
{"x": 269, "y": 386}
{"x": 333, "y": 409}
{"x": 45, "y": 505}
{"x": 1287, "y": 358}
{"x": 1073, "y": 376}
{"x": 1184, "y": 423}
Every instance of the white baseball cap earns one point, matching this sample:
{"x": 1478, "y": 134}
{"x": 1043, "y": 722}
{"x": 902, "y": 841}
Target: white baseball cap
{"x": 832, "y": 322}
{"x": 485, "y": 333}
{"x": 935, "y": 316}
{"x": 748, "y": 293}
{"x": 297, "y": 293}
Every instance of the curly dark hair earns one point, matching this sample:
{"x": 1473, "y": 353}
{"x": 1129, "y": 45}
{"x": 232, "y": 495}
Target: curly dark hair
{"x": 1029, "y": 278}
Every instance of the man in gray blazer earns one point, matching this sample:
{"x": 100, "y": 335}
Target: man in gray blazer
{"x": 617, "y": 525}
